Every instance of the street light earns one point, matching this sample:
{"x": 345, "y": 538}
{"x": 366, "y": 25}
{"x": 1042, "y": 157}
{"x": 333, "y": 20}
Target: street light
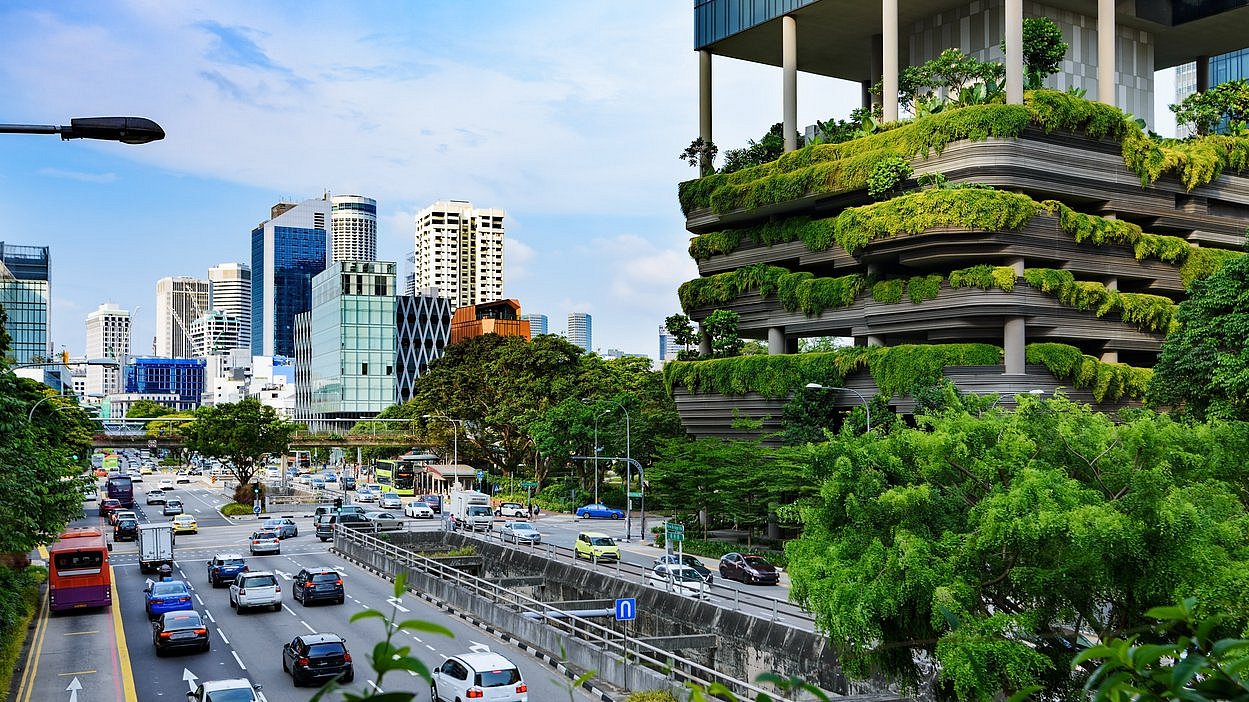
{"x": 455, "y": 434}
{"x": 628, "y": 475}
{"x": 127, "y": 130}
{"x": 868, "y": 409}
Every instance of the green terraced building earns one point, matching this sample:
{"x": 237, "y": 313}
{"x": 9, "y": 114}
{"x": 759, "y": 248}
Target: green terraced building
{"x": 1065, "y": 274}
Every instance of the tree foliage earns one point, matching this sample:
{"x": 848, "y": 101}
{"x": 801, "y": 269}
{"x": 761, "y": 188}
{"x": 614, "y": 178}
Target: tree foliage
{"x": 144, "y": 409}
{"x": 1204, "y": 112}
{"x": 1043, "y": 50}
{"x": 995, "y": 543}
{"x": 1203, "y": 369}
{"x": 722, "y": 325}
{"x": 243, "y": 433}
{"x": 683, "y": 333}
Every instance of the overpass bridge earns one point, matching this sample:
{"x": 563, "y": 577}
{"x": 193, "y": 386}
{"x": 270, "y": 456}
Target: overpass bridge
{"x": 119, "y": 440}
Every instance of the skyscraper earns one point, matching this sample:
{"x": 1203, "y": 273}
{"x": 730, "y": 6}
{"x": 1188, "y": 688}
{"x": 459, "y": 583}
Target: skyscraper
{"x": 108, "y": 336}
{"x": 353, "y": 228}
{"x": 423, "y": 327}
{"x": 287, "y": 251}
{"x": 179, "y": 301}
{"x": 580, "y": 330}
{"x": 25, "y": 291}
{"x": 537, "y": 324}
{"x": 230, "y": 291}
{"x": 459, "y": 250}
{"x": 215, "y": 332}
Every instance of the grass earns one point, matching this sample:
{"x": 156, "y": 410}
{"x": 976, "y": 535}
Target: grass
{"x": 19, "y": 610}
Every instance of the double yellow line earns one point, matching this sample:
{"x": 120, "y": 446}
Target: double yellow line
{"x": 27, "y": 684}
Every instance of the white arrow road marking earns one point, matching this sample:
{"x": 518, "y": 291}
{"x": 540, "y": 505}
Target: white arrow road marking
{"x": 398, "y": 603}
{"x": 478, "y": 647}
{"x": 190, "y": 679}
{"x": 74, "y": 687}
{"x": 284, "y": 574}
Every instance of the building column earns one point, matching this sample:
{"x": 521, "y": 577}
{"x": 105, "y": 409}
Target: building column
{"x": 1013, "y": 333}
{"x": 704, "y": 343}
{"x": 1014, "y": 52}
{"x": 776, "y": 340}
{"x": 1106, "y": 52}
{"x": 704, "y": 106}
{"x": 789, "y": 63}
{"x": 1203, "y": 73}
{"x": 889, "y": 59}
{"x": 874, "y": 51}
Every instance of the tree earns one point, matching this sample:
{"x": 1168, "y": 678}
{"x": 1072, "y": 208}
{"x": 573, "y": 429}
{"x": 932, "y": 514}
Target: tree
{"x": 243, "y": 433}
{"x": 683, "y": 333}
{"x": 1203, "y": 369}
{"x": 144, "y": 409}
{"x": 701, "y": 153}
{"x": 769, "y": 148}
{"x": 1205, "y": 111}
{"x": 721, "y": 325}
{"x": 995, "y": 542}
{"x": 1043, "y": 50}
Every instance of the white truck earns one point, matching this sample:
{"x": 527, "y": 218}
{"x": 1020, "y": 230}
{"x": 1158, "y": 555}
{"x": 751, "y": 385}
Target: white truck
{"x": 155, "y": 546}
{"x": 472, "y": 510}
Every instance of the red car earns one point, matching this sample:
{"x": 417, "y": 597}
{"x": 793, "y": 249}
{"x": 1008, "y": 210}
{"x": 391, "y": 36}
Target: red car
{"x": 107, "y": 506}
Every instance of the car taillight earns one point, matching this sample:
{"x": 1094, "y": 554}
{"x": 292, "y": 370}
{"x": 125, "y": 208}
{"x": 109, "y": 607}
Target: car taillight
{"x": 242, "y": 591}
{"x": 522, "y": 688}
{"x": 277, "y": 588}
{"x": 338, "y": 582}
{"x": 166, "y": 634}
{"x": 202, "y": 632}
{"x": 244, "y": 569}
{"x": 302, "y": 661}
{"x": 184, "y": 599}
{"x": 347, "y": 657}
{"x": 308, "y": 584}
{"x": 474, "y": 693}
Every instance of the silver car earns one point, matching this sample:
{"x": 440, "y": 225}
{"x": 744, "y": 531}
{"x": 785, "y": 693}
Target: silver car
{"x": 519, "y": 532}
{"x": 384, "y": 521}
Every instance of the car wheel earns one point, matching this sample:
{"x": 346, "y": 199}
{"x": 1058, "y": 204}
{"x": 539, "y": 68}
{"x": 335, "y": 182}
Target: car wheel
{"x": 206, "y": 647}
{"x": 350, "y": 676}
{"x": 277, "y": 606}
{"x": 303, "y": 600}
{"x": 324, "y": 539}
{"x": 433, "y": 692}
{"x": 614, "y": 515}
{"x": 341, "y": 599}
{"x": 285, "y": 668}
{"x": 160, "y": 652}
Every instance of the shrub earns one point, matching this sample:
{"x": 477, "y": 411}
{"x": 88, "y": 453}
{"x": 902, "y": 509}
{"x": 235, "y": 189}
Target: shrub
{"x": 1108, "y": 382}
{"x": 887, "y": 177}
{"x": 923, "y": 287}
{"x": 19, "y": 598}
{"x": 887, "y": 291}
{"x": 235, "y": 509}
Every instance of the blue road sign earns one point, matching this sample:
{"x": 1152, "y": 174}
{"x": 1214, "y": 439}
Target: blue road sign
{"x": 481, "y": 474}
{"x": 626, "y": 609}
{"x": 256, "y": 509}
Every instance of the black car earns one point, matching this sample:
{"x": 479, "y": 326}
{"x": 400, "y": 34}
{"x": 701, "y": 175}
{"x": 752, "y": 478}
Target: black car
{"x": 748, "y": 568}
{"x": 348, "y": 482}
{"x": 312, "y": 584}
{"x": 184, "y": 629}
{"x": 126, "y": 530}
{"x": 434, "y": 502}
{"x": 314, "y": 656}
{"x": 686, "y": 560}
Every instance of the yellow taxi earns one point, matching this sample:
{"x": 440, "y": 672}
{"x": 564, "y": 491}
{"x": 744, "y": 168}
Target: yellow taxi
{"x": 184, "y": 523}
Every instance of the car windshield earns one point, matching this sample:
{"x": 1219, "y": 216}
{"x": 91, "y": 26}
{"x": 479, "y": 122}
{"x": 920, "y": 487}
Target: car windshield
{"x": 478, "y": 511}
{"x": 183, "y": 620}
{"x": 325, "y": 649}
{"x": 686, "y": 575}
{"x": 127, "y": 523}
{"x": 602, "y": 541}
{"x": 325, "y": 577}
{"x": 160, "y": 589}
{"x": 522, "y": 526}
{"x": 238, "y": 694}
{"x": 756, "y": 562}
{"x": 498, "y": 678}
{"x": 259, "y": 581}
{"x": 232, "y": 561}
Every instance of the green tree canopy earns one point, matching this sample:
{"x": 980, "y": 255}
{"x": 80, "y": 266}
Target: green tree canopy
{"x": 243, "y": 433}
{"x": 1205, "y": 111}
{"x": 995, "y": 543}
{"x": 144, "y": 409}
{"x": 1203, "y": 369}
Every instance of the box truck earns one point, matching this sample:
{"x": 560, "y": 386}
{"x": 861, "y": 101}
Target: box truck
{"x": 472, "y": 510}
{"x": 155, "y": 546}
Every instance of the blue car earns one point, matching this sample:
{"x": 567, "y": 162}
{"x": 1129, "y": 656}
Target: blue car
{"x": 599, "y": 511}
{"x": 166, "y": 596}
{"x": 331, "y": 477}
{"x": 223, "y": 567}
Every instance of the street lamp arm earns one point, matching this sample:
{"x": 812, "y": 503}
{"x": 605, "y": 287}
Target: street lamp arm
{"x": 866, "y": 408}
{"x": 127, "y": 130}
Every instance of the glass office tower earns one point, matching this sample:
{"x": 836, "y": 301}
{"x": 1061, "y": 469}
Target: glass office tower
{"x": 287, "y": 251}
{"x": 25, "y": 291}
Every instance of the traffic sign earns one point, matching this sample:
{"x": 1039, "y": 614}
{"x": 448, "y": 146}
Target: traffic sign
{"x": 528, "y": 484}
{"x": 481, "y": 474}
{"x": 151, "y": 443}
{"x": 256, "y": 509}
{"x": 626, "y": 609}
{"x": 674, "y": 527}
{"x": 635, "y": 494}
{"x": 674, "y": 536}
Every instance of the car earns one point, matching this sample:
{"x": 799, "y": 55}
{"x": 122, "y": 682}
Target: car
{"x": 478, "y": 675}
{"x": 326, "y": 522}
{"x": 265, "y": 541}
{"x": 183, "y": 478}
{"x": 511, "y": 509}
{"x": 348, "y": 482}
{"x": 166, "y": 484}
{"x": 748, "y": 568}
{"x": 384, "y": 521}
{"x": 685, "y": 560}
{"x": 136, "y": 476}
{"x": 310, "y": 657}
{"x": 232, "y": 690}
{"x": 599, "y": 511}
{"x": 145, "y": 470}
{"x": 173, "y": 506}
{"x": 434, "y": 502}
{"x": 331, "y": 509}
{"x": 330, "y": 477}
{"x": 390, "y": 500}
{"x": 258, "y": 589}
{"x": 318, "y": 482}
{"x": 597, "y": 546}
{"x": 312, "y": 584}
{"x": 418, "y": 510}
{"x": 166, "y": 596}
{"x": 118, "y": 514}
{"x": 366, "y": 494}
{"x": 126, "y": 530}
{"x": 518, "y": 532}
{"x": 181, "y": 629}
{"x": 109, "y": 505}
{"x": 91, "y": 493}
{"x": 679, "y": 579}
{"x": 224, "y": 567}
{"x": 185, "y": 523}
{"x": 284, "y": 526}
{"x": 156, "y": 497}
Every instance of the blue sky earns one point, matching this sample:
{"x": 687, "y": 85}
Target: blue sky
{"x": 568, "y": 114}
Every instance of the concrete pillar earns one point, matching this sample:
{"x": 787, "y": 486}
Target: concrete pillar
{"x": 704, "y": 343}
{"x": 1013, "y": 341}
{"x": 776, "y": 340}
{"x": 875, "y": 61}
{"x": 1112, "y": 283}
{"x": 1110, "y": 357}
{"x": 1106, "y": 52}
{"x": 889, "y": 58}
{"x": 1018, "y": 265}
{"x": 789, "y": 64}
{"x": 1203, "y": 73}
{"x": 874, "y": 340}
{"x": 704, "y": 104}
{"x": 1014, "y": 52}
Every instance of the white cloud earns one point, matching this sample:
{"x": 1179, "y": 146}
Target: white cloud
{"x": 517, "y": 255}
{"x": 78, "y": 175}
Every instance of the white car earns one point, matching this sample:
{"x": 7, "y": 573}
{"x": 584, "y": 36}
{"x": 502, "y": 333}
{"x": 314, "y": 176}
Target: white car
{"x": 682, "y": 580}
{"x": 235, "y": 690}
{"x": 518, "y": 532}
{"x": 483, "y": 675}
{"x": 390, "y": 500}
{"x": 511, "y": 509}
{"x": 366, "y": 495}
{"x": 166, "y": 484}
{"x": 258, "y": 589}
{"x": 418, "y": 510}
{"x": 91, "y": 495}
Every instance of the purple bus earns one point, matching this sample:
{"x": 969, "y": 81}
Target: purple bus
{"x": 121, "y": 488}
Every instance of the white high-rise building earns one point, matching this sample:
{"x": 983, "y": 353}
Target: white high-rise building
{"x": 214, "y": 333}
{"x": 580, "y": 330}
{"x": 179, "y": 301}
{"x": 353, "y": 228}
{"x": 537, "y": 324}
{"x": 108, "y": 336}
{"x": 459, "y": 250}
{"x": 230, "y": 291}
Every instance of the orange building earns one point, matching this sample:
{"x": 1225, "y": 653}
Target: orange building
{"x": 499, "y": 317}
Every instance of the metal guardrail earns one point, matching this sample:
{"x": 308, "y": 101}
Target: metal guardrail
{"x": 627, "y": 571}
{"x": 627, "y": 649}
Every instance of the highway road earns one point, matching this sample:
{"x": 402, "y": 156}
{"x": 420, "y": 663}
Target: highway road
{"x": 85, "y": 647}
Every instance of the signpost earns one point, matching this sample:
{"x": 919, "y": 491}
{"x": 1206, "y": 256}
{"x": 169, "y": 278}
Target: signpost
{"x": 675, "y": 533}
{"x": 626, "y": 611}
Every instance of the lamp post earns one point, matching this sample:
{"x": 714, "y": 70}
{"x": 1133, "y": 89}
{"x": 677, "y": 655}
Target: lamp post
{"x": 127, "y": 130}
{"x": 455, "y": 434}
{"x": 629, "y": 475}
{"x": 597, "y": 449}
{"x": 866, "y": 408}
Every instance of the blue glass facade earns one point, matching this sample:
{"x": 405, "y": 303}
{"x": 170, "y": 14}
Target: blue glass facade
{"x": 287, "y": 251}
{"x": 1229, "y": 66}
{"x": 717, "y": 19}
{"x": 258, "y": 286}
{"x": 183, "y": 377}
{"x": 25, "y": 289}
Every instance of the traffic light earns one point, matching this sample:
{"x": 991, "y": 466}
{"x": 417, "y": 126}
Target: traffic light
{"x": 338, "y": 503}
{"x": 256, "y": 488}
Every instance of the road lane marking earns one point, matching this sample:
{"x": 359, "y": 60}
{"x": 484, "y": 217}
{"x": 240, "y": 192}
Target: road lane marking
{"x": 374, "y": 686}
{"x": 77, "y": 672}
{"x": 237, "y": 659}
{"x": 210, "y": 616}
{"x": 289, "y": 610}
{"x": 123, "y": 654}
{"x": 79, "y": 633}
{"x": 200, "y": 599}
{"x": 307, "y": 627}
{"x": 223, "y": 636}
